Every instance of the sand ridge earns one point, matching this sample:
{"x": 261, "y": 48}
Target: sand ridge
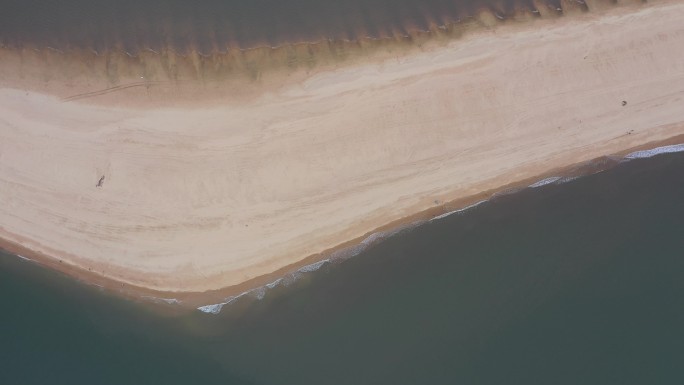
{"x": 189, "y": 200}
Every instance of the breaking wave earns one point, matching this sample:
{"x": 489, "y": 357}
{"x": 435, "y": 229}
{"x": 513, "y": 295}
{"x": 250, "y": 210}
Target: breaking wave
{"x": 459, "y": 210}
{"x": 169, "y": 301}
{"x": 655, "y": 151}
{"x": 335, "y": 257}
{"x": 24, "y": 258}
{"x": 546, "y": 181}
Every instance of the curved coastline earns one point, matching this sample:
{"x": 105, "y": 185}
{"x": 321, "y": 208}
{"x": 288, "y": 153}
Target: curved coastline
{"x": 213, "y": 302}
{"x": 654, "y": 136}
{"x": 559, "y": 177}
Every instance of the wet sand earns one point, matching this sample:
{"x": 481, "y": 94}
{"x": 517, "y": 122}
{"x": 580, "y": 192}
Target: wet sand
{"x": 188, "y": 199}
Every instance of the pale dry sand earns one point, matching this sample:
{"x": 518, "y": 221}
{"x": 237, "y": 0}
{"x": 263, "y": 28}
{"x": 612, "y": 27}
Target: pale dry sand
{"x": 197, "y": 199}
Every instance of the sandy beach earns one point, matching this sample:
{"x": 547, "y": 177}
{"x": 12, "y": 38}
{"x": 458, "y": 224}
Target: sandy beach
{"x": 188, "y": 199}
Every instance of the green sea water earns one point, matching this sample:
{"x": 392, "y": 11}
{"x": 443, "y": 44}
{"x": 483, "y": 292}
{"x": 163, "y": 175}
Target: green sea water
{"x": 573, "y": 283}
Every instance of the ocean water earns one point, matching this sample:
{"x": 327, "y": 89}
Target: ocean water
{"x": 578, "y": 282}
{"x": 218, "y": 25}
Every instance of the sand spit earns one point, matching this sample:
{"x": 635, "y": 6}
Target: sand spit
{"x": 186, "y": 200}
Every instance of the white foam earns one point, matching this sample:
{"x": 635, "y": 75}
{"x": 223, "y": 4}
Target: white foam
{"x": 372, "y": 238}
{"x": 259, "y": 292}
{"x": 546, "y": 181}
{"x": 313, "y": 266}
{"x": 656, "y": 151}
{"x": 459, "y": 210}
{"x": 274, "y": 283}
{"x": 170, "y": 301}
{"x": 553, "y": 180}
{"x": 289, "y": 279}
{"x": 566, "y": 179}
{"x": 24, "y": 258}
{"x": 346, "y": 253}
{"x": 212, "y": 309}
{"x": 216, "y": 308}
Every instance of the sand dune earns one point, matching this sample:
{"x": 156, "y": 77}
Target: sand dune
{"x": 195, "y": 199}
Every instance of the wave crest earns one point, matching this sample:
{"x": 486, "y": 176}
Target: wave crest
{"x": 656, "y": 151}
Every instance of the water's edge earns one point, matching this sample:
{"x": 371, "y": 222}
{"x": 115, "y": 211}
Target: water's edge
{"x": 260, "y": 292}
{"x": 212, "y": 302}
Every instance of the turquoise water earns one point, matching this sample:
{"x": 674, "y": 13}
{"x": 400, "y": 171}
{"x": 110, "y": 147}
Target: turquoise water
{"x": 572, "y": 283}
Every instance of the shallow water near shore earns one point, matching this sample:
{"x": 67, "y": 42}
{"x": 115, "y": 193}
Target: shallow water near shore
{"x": 579, "y": 282}
{"x": 217, "y": 25}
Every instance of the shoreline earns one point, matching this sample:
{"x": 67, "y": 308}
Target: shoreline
{"x": 191, "y": 301}
{"x": 451, "y": 159}
{"x": 353, "y": 248}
